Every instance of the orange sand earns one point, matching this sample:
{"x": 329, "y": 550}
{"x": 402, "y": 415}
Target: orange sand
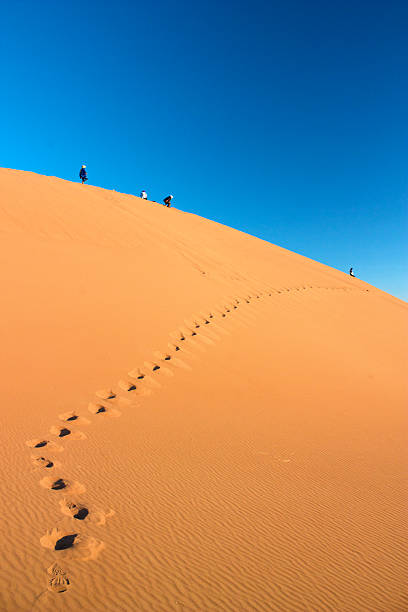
{"x": 260, "y": 467}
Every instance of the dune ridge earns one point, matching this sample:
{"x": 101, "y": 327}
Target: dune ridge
{"x": 248, "y": 456}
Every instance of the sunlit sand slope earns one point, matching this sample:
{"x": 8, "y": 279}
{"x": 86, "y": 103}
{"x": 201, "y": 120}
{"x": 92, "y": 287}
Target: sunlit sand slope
{"x": 192, "y": 418}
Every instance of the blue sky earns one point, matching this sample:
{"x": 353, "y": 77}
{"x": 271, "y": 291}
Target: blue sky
{"x": 287, "y": 120}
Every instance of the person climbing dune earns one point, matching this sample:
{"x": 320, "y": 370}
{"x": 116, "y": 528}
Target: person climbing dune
{"x": 83, "y": 175}
{"x": 143, "y": 195}
{"x": 351, "y": 272}
{"x": 167, "y": 201}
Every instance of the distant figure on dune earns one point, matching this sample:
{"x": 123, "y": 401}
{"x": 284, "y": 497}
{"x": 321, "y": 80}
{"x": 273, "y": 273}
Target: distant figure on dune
{"x": 352, "y": 273}
{"x": 83, "y": 175}
{"x": 143, "y": 195}
{"x": 167, "y": 201}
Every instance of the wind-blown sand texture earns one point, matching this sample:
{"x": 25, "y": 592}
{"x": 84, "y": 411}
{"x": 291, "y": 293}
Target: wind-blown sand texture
{"x": 192, "y": 419}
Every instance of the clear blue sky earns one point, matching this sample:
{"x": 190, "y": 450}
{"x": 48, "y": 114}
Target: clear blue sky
{"x": 287, "y": 120}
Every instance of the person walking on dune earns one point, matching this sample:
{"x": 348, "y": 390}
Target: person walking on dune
{"x": 83, "y": 175}
{"x": 167, "y": 201}
{"x": 143, "y": 195}
{"x": 351, "y": 272}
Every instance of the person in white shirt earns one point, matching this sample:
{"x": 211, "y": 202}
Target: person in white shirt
{"x": 143, "y": 195}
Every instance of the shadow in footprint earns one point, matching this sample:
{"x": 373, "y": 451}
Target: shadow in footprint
{"x": 100, "y": 409}
{"x": 65, "y": 542}
{"x": 41, "y": 444}
{"x": 58, "y": 485}
{"x": 72, "y": 418}
{"x": 64, "y": 432}
{"x": 81, "y": 514}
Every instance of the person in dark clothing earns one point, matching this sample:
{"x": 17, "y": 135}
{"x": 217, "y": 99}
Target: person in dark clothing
{"x": 351, "y": 272}
{"x": 167, "y": 201}
{"x": 83, "y": 175}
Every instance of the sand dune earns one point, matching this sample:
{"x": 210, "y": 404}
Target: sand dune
{"x": 193, "y": 419}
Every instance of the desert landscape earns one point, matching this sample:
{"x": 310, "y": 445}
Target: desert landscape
{"x": 193, "y": 419}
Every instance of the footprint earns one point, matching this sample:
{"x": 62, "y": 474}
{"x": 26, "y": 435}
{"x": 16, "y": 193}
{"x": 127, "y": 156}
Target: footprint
{"x": 105, "y": 410}
{"x": 127, "y": 386}
{"x": 71, "y": 416}
{"x": 76, "y": 511}
{"x": 138, "y": 374}
{"x": 38, "y": 443}
{"x": 155, "y": 367}
{"x": 130, "y": 386}
{"x": 106, "y": 394}
{"x": 41, "y": 443}
{"x": 80, "y": 512}
{"x": 59, "y": 484}
{"x": 161, "y": 357}
{"x": 59, "y": 581}
{"x": 62, "y": 432}
{"x": 85, "y": 547}
{"x": 42, "y": 462}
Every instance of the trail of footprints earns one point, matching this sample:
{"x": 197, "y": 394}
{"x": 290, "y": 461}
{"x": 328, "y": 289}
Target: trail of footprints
{"x": 141, "y": 381}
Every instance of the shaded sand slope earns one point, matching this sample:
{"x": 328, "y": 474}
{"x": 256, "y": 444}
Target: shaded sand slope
{"x": 250, "y": 455}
